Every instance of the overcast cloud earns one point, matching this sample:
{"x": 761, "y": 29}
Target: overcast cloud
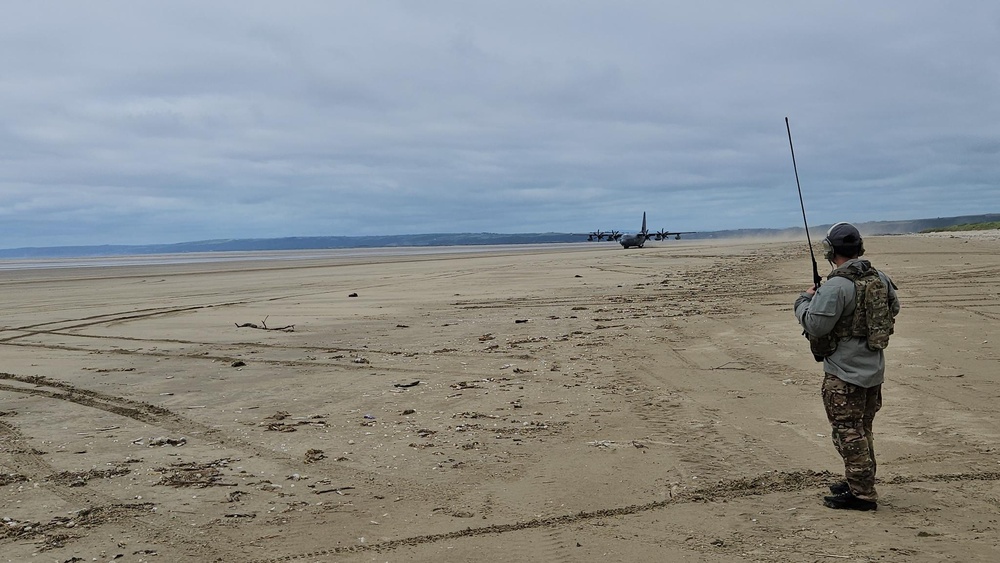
{"x": 156, "y": 122}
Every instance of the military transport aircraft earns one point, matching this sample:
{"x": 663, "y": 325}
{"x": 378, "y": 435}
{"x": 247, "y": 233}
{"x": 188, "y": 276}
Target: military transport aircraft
{"x": 639, "y": 238}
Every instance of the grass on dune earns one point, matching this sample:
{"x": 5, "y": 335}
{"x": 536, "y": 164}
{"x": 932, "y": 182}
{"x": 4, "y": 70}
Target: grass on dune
{"x": 966, "y": 227}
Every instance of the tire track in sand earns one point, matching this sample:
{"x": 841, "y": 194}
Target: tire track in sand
{"x": 724, "y": 490}
{"x": 169, "y": 420}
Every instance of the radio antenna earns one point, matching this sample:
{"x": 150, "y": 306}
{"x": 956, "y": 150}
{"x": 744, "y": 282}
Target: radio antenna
{"x": 817, "y": 279}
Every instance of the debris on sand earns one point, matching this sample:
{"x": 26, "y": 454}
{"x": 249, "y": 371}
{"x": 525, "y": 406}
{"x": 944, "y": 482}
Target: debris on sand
{"x": 314, "y": 455}
{"x": 274, "y": 422}
{"x": 163, "y": 441}
{"x": 606, "y": 444}
{"x": 11, "y": 478}
{"x": 80, "y": 478}
{"x": 338, "y": 490}
{"x": 263, "y": 326}
{"x": 193, "y": 474}
{"x": 87, "y": 517}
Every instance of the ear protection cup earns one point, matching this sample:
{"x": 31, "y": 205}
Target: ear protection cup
{"x": 828, "y": 251}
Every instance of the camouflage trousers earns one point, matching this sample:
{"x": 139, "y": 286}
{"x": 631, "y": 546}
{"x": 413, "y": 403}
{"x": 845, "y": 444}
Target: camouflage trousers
{"x": 851, "y": 412}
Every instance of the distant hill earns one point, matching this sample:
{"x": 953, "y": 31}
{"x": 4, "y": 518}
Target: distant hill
{"x": 290, "y": 243}
{"x": 918, "y": 225}
{"x": 450, "y": 239}
{"x": 991, "y": 226}
{"x": 869, "y": 228}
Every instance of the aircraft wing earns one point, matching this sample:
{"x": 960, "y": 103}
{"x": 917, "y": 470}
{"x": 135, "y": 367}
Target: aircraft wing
{"x": 660, "y": 235}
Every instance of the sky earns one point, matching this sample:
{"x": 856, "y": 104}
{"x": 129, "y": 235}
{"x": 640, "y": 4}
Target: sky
{"x": 171, "y": 121}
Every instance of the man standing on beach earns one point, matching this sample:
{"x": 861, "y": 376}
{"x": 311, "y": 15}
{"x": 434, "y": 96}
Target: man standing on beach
{"x": 848, "y": 321}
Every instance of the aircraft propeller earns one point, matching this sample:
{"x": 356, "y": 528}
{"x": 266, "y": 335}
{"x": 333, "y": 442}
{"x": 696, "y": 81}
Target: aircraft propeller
{"x": 614, "y": 235}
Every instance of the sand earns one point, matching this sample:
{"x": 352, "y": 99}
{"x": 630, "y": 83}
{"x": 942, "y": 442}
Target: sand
{"x": 577, "y": 403}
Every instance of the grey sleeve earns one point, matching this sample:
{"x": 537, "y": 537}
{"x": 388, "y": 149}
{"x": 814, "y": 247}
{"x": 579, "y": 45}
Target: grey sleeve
{"x": 893, "y": 298}
{"x": 819, "y": 314}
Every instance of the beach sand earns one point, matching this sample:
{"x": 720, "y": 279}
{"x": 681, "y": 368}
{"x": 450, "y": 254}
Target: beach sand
{"x": 557, "y": 404}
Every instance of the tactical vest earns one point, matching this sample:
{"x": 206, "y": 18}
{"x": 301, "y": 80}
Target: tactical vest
{"x": 872, "y": 318}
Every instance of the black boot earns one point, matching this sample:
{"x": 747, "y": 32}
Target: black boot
{"x": 840, "y": 487}
{"x": 848, "y": 501}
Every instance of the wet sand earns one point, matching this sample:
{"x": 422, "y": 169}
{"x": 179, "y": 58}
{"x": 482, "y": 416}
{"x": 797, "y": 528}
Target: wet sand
{"x": 589, "y": 404}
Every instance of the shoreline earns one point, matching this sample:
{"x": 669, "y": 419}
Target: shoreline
{"x": 259, "y": 256}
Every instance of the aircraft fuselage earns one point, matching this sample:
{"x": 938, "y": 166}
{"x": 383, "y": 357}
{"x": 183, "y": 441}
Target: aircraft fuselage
{"x": 633, "y": 240}
{"x": 638, "y": 239}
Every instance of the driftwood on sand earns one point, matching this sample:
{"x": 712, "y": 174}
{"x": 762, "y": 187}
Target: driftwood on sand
{"x": 263, "y": 326}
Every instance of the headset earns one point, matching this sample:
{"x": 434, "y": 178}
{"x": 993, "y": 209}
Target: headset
{"x": 845, "y": 249}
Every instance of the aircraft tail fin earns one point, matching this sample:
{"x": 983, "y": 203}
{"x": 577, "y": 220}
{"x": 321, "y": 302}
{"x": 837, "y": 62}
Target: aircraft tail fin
{"x": 643, "y": 222}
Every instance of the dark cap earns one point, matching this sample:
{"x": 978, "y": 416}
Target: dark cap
{"x": 843, "y": 234}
